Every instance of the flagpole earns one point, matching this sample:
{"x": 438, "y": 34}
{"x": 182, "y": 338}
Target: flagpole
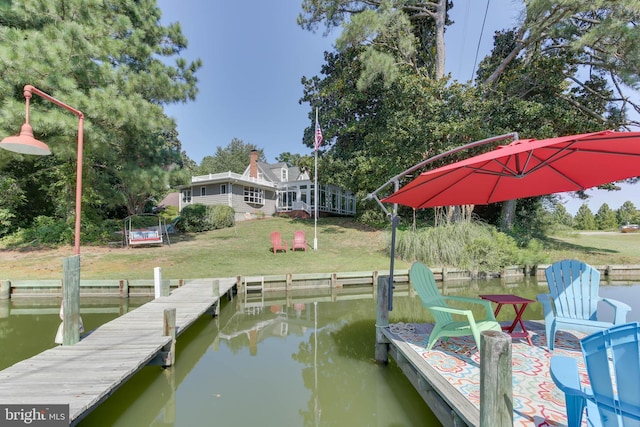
{"x": 315, "y": 186}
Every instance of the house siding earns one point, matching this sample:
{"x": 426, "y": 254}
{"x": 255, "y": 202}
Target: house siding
{"x": 293, "y": 197}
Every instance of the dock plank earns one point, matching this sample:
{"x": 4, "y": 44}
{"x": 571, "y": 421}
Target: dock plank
{"x": 85, "y": 374}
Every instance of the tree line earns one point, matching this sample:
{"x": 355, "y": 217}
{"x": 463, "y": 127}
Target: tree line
{"x": 605, "y": 218}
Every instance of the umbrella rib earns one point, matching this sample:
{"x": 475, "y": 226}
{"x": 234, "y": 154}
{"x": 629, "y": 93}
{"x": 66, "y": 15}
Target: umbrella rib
{"x": 421, "y": 205}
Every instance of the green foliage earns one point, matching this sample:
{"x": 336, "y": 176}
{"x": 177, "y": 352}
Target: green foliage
{"x": 533, "y": 253}
{"x": 561, "y": 216}
{"x": 169, "y": 214}
{"x": 6, "y": 219}
{"x": 50, "y": 231}
{"x": 373, "y": 217}
{"x": 193, "y": 218}
{"x": 232, "y": 158}
{"x": 53, "y": 232}
{"x": 223, "y": 216}
{"x": 628, "y": 214}
{"x": 473, "y": 246}
{"x": 13, "y": 198}
{"x": 197, "y": 217}
{"x": 606, "y": 218}
{"x": 584, "y": 218}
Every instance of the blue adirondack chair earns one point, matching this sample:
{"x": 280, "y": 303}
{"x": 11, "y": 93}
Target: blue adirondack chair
{"x": 612, "y": 359}
{"x": 445, "y": 324}
{"x": 572, "y": 301}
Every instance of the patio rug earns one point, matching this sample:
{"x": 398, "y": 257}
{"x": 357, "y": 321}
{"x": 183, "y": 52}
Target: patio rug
{"x": 536, "y": 399}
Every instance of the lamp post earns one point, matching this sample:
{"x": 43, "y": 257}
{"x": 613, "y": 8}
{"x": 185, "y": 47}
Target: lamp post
{"x": 25, "y": 143}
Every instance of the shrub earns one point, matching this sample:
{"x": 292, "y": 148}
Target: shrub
{"x": 223, "y": 216}
{"x": 197, "y": 217}
{"x": 47, "y": 231}
{"x": 193, "y": 218}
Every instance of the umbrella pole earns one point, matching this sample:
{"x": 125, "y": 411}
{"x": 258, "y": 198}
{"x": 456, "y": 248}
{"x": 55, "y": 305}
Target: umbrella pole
{"x": 394, "y": 226}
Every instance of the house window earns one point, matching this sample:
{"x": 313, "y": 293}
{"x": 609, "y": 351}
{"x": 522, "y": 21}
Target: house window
{"x": 203, "y": 191}
{"x": 284, "y": 175}
{"x": 223, "y": 188}
{"x": 253, "y": 195}
{"x": 186, "y": 196}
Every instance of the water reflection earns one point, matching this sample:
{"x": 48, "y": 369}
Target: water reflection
{"x": 308, "y": 364}
{"x": 286, "y": 361}
{"x": 28, "y": 325}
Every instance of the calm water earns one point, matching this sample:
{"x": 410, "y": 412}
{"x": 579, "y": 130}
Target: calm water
{"x": 308, "y": 364}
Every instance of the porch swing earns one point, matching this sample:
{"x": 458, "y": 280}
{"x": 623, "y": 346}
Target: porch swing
{"x": 141, "y": 229}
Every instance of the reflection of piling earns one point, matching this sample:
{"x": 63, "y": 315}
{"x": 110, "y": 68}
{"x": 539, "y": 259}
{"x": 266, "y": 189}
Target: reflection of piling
{"x": 5, "y": 308}
{"x": 382, "y": 320}
{"x": 253, "y": 342}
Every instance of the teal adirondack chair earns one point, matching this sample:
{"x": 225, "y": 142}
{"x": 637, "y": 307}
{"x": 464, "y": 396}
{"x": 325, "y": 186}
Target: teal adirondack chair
{"x": 446, "y": 325}
{"x": 612, "y": 359}
{"x": 572, "y": 301}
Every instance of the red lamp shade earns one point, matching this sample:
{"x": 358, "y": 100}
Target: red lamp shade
{"x": 25, "y": 143}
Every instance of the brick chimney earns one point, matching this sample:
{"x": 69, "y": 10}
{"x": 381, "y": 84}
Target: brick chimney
{"x": 253, "y": 164}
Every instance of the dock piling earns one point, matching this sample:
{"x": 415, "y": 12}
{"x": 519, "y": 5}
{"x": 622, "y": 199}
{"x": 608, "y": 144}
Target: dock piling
{"x": 5, "y": 289}
{"x": 496, "y": 380}
{"x": 382, "y": 320}
{"x": 71, "y": 300}
{"x": 169, "y": 329}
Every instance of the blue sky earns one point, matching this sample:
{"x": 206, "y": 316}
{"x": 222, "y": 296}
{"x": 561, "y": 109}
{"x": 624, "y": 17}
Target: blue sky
{"x": 254, "y": 55}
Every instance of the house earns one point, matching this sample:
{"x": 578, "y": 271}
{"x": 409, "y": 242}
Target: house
{"x": 266, "y": 190}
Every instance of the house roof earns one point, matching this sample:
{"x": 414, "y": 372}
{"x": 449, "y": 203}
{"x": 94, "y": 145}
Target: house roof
{"x": 270, "y": 176}
{"x": 171, "y": 199}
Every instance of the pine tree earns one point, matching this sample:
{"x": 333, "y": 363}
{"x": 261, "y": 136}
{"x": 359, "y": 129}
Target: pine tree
{"x": 584, "y": 218}
{"x": 110, "y": 60}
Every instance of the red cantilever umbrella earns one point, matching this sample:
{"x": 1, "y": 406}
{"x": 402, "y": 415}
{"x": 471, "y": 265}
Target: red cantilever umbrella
{"x": 527, "y": 168}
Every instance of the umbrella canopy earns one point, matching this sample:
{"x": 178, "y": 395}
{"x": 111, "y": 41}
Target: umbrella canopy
{"x": 527, "y": 168}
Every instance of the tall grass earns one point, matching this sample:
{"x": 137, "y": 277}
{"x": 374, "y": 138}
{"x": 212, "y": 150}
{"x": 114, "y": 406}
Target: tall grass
{"x": 469, "y": 245}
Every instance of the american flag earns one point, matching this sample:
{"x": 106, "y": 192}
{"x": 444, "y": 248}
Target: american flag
{"x": 318, "y": 137}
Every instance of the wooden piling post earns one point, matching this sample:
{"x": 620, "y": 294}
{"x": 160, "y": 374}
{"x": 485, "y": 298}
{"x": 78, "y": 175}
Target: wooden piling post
{"x": 124, "y": 288}
{"x": 5, "y": 289}
{"x": 169, "y": 329}
{"x": 5, "y": 296}
{"x": 71, "y": 300}
{"x": 496, "y": 380}
{"x": 382, "y": 320}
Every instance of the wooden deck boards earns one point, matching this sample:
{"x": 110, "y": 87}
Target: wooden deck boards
{"x": 447, "y": 377}
{"x": 85, "y": 374}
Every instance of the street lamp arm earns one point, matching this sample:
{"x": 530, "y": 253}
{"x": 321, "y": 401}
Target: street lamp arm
{"x": 29, "y": 89}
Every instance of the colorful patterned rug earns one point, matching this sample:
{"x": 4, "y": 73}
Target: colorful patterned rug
{"x": 536, "y": 399}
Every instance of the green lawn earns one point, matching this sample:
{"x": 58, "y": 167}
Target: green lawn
{"x": 598, "y": 247}
{"x": 343, "y": 245}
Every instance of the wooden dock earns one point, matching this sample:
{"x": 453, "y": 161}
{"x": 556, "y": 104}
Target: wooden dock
{"x": 448, "y": 376}
{"x": 85, "y": 374}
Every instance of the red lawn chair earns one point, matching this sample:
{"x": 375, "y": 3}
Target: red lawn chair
{"x": 299, "y": 241}
{"x": 278, "y": 243}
